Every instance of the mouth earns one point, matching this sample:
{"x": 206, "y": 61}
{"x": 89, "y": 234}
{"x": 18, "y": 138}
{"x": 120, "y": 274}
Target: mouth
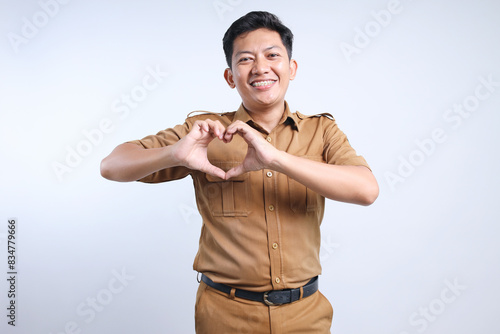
{"x": 262, "y": 83}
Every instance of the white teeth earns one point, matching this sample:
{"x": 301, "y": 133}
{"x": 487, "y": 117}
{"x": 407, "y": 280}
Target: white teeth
{"x": 262, "y": 83}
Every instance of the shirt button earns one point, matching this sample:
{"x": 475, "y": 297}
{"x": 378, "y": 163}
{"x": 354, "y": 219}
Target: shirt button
{"x": 277, "y": 280}
{"x": 269, "y": 174}
{"x": 268, "y": 139}
{"x": 271, "y": 207}
{"x": 275, "y": 245}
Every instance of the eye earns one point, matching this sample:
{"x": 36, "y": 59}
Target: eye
{"x": 244, "y": 60}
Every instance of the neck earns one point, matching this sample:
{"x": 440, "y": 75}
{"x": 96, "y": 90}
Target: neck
{"x": 269, "y": 117}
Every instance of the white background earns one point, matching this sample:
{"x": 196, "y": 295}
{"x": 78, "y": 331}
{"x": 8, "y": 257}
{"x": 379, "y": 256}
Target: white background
{"x": 386, "y": 268}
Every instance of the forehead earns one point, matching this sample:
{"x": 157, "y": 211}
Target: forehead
{"x": 257, "y": 40}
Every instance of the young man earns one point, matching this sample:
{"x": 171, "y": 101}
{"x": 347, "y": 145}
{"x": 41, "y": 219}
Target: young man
{"x": 261, "y": 175}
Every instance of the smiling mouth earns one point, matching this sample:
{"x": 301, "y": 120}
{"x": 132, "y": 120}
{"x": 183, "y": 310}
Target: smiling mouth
{"x": 262, "y": 83}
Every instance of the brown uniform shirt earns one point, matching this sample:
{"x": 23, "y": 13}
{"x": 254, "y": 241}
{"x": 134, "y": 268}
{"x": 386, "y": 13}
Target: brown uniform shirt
{"x": 261, "y": 230}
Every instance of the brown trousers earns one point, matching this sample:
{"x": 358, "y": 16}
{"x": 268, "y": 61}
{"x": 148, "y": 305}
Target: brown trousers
{"x": 219, "y": 313}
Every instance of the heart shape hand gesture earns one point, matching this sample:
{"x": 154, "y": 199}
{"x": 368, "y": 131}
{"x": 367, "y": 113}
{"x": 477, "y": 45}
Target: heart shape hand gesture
{"x": 191, "y": 150}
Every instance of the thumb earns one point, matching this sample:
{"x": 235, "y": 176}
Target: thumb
{"x": 235, "y": 171}
{"x": 216, "y": 171}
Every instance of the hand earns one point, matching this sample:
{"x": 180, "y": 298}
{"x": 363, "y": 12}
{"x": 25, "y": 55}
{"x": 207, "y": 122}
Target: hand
{"x": 191, "y": 150}
{"x": 260, "y": 153}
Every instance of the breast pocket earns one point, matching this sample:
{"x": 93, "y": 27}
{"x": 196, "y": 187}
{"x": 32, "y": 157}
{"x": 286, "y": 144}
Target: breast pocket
{"x": 228, "y": 198}
{"x": 303, "y": 199}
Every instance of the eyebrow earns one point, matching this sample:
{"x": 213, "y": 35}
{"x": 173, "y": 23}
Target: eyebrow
{"x": 237, "y": 54}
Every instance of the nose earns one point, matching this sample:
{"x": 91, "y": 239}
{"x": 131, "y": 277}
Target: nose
{"x": 260, "y": 66}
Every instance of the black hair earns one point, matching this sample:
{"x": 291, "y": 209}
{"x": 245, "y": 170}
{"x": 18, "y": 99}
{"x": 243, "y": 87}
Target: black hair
{"x": 253, "y": 21}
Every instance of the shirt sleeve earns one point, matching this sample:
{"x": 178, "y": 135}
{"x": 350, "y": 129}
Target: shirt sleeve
{"x": 337, "y": 149}
{"x": 161, "y": 139}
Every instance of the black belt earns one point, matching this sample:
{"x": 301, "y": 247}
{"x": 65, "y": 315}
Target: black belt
{"x": 273, "y": 297}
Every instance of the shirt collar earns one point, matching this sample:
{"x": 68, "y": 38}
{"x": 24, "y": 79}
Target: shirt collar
{"x": 287, "y": 119}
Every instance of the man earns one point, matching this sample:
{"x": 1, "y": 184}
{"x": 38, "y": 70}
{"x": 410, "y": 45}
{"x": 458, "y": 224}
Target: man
{"x": 261, "y": 174}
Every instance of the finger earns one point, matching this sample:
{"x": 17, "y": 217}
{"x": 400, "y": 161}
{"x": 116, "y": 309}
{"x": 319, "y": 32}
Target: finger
{"x": 216, "y": 171}
{"x": 213, "y": 128}
{"x": 236, "y": 127}
{"x": 248, "y": 134}
{"x": 209, "y": 128}
{"x": 221, "y": 128}
{"x": 216, "y": 128}
{"x": 202, "y": 126}
{"x": 235, "y": 171}
{"x": 227, "y": 137}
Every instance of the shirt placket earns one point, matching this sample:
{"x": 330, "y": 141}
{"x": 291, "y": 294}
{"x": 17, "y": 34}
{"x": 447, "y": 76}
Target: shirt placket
{"x": 272, "y": 220}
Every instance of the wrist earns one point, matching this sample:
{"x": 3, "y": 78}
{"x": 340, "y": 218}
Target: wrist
{"x": 280, "y": 161}
{"x": 170, "y": 156}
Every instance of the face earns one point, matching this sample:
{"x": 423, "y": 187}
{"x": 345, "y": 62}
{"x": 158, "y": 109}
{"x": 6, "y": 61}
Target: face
{"x": 261, "y": 70}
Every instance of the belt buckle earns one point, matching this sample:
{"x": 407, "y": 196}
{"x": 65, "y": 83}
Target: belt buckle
{"x": 266, "y": 301}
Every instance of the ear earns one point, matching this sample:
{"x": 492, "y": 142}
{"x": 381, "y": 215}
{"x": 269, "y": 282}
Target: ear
{"x": 293, "y": 68}
{"x": 228, "y": 75}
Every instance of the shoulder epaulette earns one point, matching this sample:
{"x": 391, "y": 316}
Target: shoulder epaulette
{"x": 202, "y": 112}
{"x": 325, "y": 114}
